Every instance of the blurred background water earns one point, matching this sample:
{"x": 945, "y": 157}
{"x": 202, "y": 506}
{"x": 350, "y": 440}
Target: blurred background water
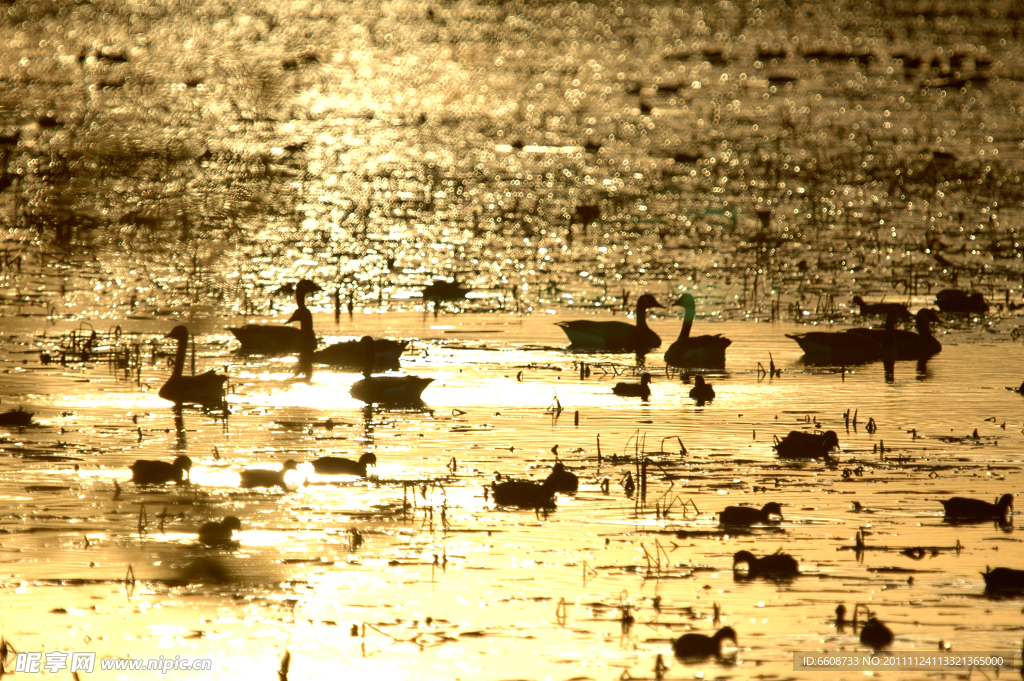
{"x": 168, "y": 163}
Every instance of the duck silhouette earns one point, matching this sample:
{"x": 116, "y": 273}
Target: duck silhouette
{"x": 701, "y": 390}
{"x": 909, "y": 345}
{"x": 17, "y": 418}
{"x": 641, "y": 389}
{"x": 613, "y": 336}
{"x": 800, "y": 445}
{"x": 524, "y": 493}
{"x": 561, "y": 480}
{"x": 696, "y": 351}
{"x": 145, "y": 472}
{"x": 881, "y": 309}
{"x": 875, "y": 634}
{"x": 837, "y": 347}
{"x": 351, "y": 354}
{"x": 964, "y": 509}
{"x": 1003, "y": 579}
{"x": 956, "y": 300}
{"x": 332, "y": 465}
{"x": 277, "y": 339}
{"x": 220, "y": 533}
{"x": 777, "y": 564}
{"x": 386, "y": 389}
{"x": 263, "y": 477}
{"x": 205, "y": 389}
{"x": 701, "y": 646}
{"x": 746, "y": 515}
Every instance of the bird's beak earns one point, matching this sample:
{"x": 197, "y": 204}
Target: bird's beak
{"x": 293, "y": 318}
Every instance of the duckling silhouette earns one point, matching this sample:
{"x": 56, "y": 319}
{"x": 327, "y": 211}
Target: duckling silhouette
{"x": 701, "y": 390}
{"x": 1003, "y": 579}
{"x": 875, "y": 634}
{"x": 696, "y": 351}
{"x": 524, "y": 493}
{"x": 262, "y": 477}
{"x": 881, "y": 309}
{"x": 145, "y": 472}
{"x": 386, "y": 389}
{"x": 613, "y": 336}
{"x": 641, "y": 389}
{"x": 700, "y": 646}
{"x": 964, "y": 509}
{"x": 800, "y": 445}
{"x": 220, "y": 533}
{"x": 956, "y": 300}
{"x": 561, "y": 480}
{"x": 777, "y": 564}
{"x": 205, "y": 389}
{"x": 276, "y": 339}
{"x": 332, "y": 465}
{"x": 745, "y": 515}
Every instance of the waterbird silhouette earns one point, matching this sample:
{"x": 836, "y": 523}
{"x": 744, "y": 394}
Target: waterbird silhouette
{"x": 1003, "y": 579}
{"x": 800, "y": 445}
{"x": 701, "y": 646}
{"x": 746, "y": 515}
{"x": 956, "y": 300}
{"x": 146, "y": 472}
{"x": 777, "y": 564}
{"x": 837, "y": 347}
{"x": 351, "y": 354}
{"x": 881, "y": 309}
{"x": 614, "y": 336}
{"x": 220, "y": 533}
{"x": 964, "y": 509}
{"x": 561, "y": 480}
{"x": 385, "y": 389}
{"x": 695, "y": 351}
{"x": 641, "y": 389}
{"x": 205, "y": 389}
{"x": 18, "y": 418}
{"x": 263, "y": 477}
{"x": 333, "y": 465}
{"x": 524, "y": 493}
{"x": 875, "y": 634}
{"x": 277, "y": 339}
{"x": 908, "y": 345}
{"x": 701, "y": 390}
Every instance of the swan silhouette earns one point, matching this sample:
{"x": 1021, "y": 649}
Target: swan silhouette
{"x": 614, "y": 336}
{"x": 695, "y": 351}
{"x": 276, "y": 339}
{"x": 205, "y": 389}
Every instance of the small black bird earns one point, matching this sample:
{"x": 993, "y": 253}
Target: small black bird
{"x": 964, "y": 509}
{"x": 641, "y": 389}
{"x": 777, "y": 564}
{"x": 746, "y": 515}
{"x": 1003, "y": 579}
{"x": 561, "y": 480}
{"x": 701, "y": 390}
{"x": 875, "y": 634}
{"x": 159, "y": 472}
{"x": 334, "y": 465}
{"x": 220, "y": 534}
{"x": 262, "y": 477}
{"x": 700, "y": 646}
{"x": 800, "y": 445}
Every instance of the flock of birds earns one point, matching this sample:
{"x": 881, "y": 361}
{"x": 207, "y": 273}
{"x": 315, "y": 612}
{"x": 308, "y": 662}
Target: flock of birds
{"x": 706, "y": 351}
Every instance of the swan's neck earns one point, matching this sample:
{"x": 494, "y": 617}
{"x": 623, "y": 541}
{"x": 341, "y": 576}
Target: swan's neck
{"x": 300, "y": 300}
{"x": 179, "y": 359}
{"x": 641, "y": 317}
{"x": 924, "y": 327}
{"x": 687, "y": 324}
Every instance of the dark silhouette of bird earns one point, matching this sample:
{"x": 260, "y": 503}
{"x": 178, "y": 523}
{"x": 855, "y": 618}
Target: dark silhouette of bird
{"x": 263, "y": 477}
{"x": 1003, "y": 579}
{"x": 909, "y": 345}
{"x": 800, "y": 445}
{"x": 881, "y": 309}
{"x": 386, "y": 389}
{"x": 17, "y": 418}
{"x": 956, "y": 300}
{"x": 524, "y": 493}
{"x": 696, "y": 351}
{"x": 146, "y": 472}
{"x": 443, "y": 291}
{"x": 220, "y": 533}
{"x": 777, "y": 564}
{"x": 561, "y": 480}
{"x": 205, "y": 389}
{"x": 837, "y": 347}
{"x": 875, "y": 634}
{"x": 351, "y": 354}
{"x": 700, "y": 646}
{"x": 333, "y": 465}
{"x": 746, "y": 515}
{"x": 614, "y": 336}
{"x": 641, "y": 389}
{"x": 276, "y": 339}
{"x": 964, "y": 509}
{"x": 701, "y": 390}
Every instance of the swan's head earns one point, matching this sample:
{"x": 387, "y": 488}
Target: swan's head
{"x": 306, "y": 286}
{"x": 686, "y": 301}
{"x": 647, "y": 301}
{"x": 179, "y": 333}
